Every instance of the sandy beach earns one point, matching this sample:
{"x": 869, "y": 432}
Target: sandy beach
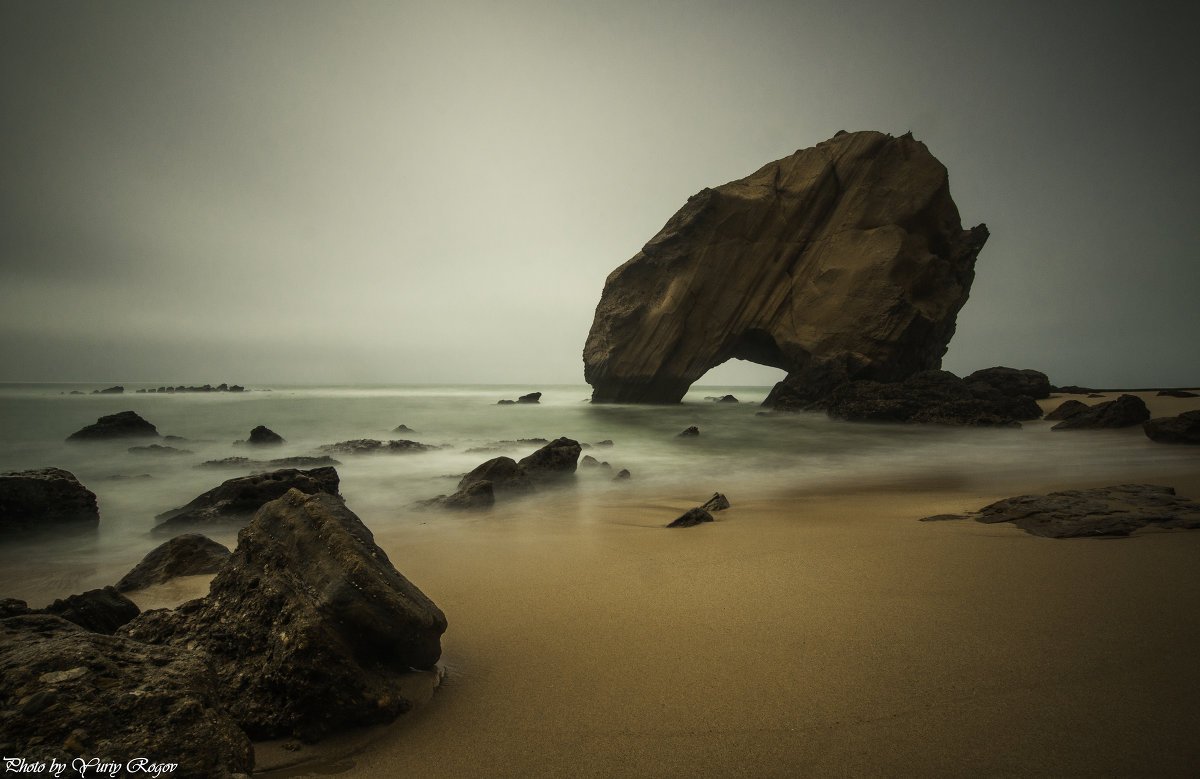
{"x": 814, "y": 633}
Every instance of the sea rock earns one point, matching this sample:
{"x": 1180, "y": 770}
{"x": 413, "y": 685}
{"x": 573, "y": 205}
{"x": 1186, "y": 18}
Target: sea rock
{"x": 504, "y": 474}
{"x": 689, "y": 432}
{"x": 474, "y": 496}
{"x": 109, "y": 391}
{"x": 717, "y": 502}
{"x": 373, "y": 446}
{"x": 67, "y": 694}
{"x": 100, "y": 611}
{"x": 1104, "y": 511}
{"x": 45, "y": 498}
{"x": 532, "y": 397}
{"x": 692, "y": 517}
{"x": 843, "y": 261}
{"x": 555, "y": 461}
{"x": 1182, "y": 429}
{"x": 157, "y": 449}
{"x": 937, "y": 397}
{"x": 1177, "y": 393}
{"x": 1067, "y": 409}
{"x": 309, "y": 626}
{"x": 236, "y": 500}
{"x": 298, "y": 461}
{"x": 125, "y": 424}
{"x": 185, "y": 555}
{"x": 1125, "y": 411}
{"x": 264, "y": 436}
{"x": 403, "y": 429}
{"x": 1012, "y": 381}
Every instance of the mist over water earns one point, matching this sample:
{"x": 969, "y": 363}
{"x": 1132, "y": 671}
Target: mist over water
{"x": 740, "y": 451}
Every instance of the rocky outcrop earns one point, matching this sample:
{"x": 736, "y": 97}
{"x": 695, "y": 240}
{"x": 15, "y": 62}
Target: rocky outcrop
{"x": 264, "y": 436}
{"x": 125, "y": 424}
{"x": 185, "y": 555}
{"x": 692, "y": 517}
{"x": 937, "y": 397}
{"x": 308, "y": 625}
{"x": 374, "y": 446}
{"x": 236, "y": 500}
{"x": 843, "y": 261}
{"x": 45, "y": 499}
{"x": 100, "y": 611}
{"x": 66, "y": 693}
{"x": 1012, "y": 382}
{"x": 1105, "y": 511}
{"x": 1182, "y": 429}
{"x": 553, "y": 463}
{"x": 1066, "y": 410}
{"x": 1125, "y": 411}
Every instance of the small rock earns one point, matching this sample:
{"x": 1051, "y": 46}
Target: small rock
{"x": 264, "y": 436}
{"x": 717, "y": 502}
{"x": 690, "y": 432}
{"x": 692, "y": 517}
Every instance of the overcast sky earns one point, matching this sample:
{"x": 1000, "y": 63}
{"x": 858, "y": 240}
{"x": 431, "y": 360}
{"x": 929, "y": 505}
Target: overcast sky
{"x": 346, "y": 192}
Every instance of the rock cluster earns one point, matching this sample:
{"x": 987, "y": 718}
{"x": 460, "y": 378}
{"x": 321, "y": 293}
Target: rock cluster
{"x": 699, "y": 514}
{"x": 1125, "y": 411}
{"x": 554, "y": 462}
{"x": 532, "y": 397}
{"x": 1105, "y": 511}
{"x": 373, "y": 446}
{"x": 236, "y": 500}
{"x": 843, "y": 261}
{"x": 45, "y": 499}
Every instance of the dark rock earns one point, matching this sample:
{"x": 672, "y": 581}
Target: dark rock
{"x": 478, "y": 495}
{"x": 100, "y": 611}
{"x": 937, "y": 397}
{"x": 844, "y": 261}
{"x": 185, "y": 555}
{"x": 373, "y": 446}
{"x": 554, "y": 461}
{"x": 1013, "y": 382}
{"x": 504, "y": 474}
{"x": 125, "y": 424}
{"x": 1125, "y": 411}
{"x": 503, "y": 446}
{"x": 605, "y": 442}
{"x": 157, "y": 449}
{"x": 1072, "y": 389}
{"x": 532, "y": 397}
{"x": 236, "y": 500}
{"x": 12, "y": 607}
{"x": 264, "y": 436}
{"x": 403, "y": 429}
{"x": 1177, "y": 393}
{"x": 717, "y": 502}
{"x": 110, "y": 391}
{"x": 622, "y": 475}
{"x": 309, "y": 626}
{"x": 45, "y": 498}
{"x": 692, "y": 517}
{"x": 66, "y": 693}
{"x": 1067, "y": 409}
{"x": 1182, "y": 429}
{"x": 506, "y": 402}
{"x": 728, "y": 399}
{"x": 690, "y": 432}
{"x": 299, "y": 461}
{"x": 1105, "y": 511}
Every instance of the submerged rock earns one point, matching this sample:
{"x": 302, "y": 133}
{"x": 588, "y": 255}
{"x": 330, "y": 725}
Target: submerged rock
{"x": 1105, "y": 511}
{"x": 1012, "y": 382}
{"x": 236, "y": 500}
{"x": 689, "y": 432}
{"x": 1125, "y": 411}
{"x": 504, "y": 474}
{"x": 692, "y": 517}
{"x": 373, "y": 446}
{"x": 1182, "y": 429}
{"x": 125, "y": 424}
{"x": 157, "y": 449}
{"x": 43, "y": 499}
{"x": 844, "y": 261}
{"x": 309, "y": 626}
{"x": 185, "y": 555}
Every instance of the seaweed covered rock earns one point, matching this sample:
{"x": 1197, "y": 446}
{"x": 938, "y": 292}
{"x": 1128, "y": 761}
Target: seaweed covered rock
{"x": 66, "y": 693}
{"x": 45, "y": 499}
{"x": 236, "y": 500}
{"x": 309, "y": 626}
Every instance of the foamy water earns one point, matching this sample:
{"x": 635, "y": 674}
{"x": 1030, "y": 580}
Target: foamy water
{"x": 740, "y": 450}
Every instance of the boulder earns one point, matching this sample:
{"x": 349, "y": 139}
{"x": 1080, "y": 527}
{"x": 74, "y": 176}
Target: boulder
{"x": 185, "y": 555}
{"x": 717, "y": 502}
{"x": 532, "y": 397}
{"x": 1125, "y": 411}
{"x": 309, "y": 626}
{"x": 474, "y": 496}
{"x": 1182, "y": 429}
{"x": 44, "y": 499}
{"x": 1012, "y": 382}
{"x": 125, "y": 424}
{"x": 937, "y": 397}
{"x": 109, "y": 391}
{"x": 504, "y": 474}
{"x": 68, "y": 694}
{"x": 554, "y": 461}
{"x": 1066, "y": 410}
{"x": 100, "y": 611}
{"x": 264, "y": 436}
{"x": 236, "y": 500}
{"x": 622, "y": 475}
{"x": 692, "y": 517}
{"x": 157, "y": 449}
{"x": 1104, "y": 511}
{"x": 843, "y": 261}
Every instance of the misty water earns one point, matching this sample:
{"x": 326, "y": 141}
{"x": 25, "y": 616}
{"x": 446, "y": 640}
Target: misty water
{"x": 740, "y": 451}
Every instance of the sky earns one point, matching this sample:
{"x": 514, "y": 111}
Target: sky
{"x": 394, "y": 192}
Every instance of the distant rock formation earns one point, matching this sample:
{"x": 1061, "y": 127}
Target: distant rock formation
{"x": 45, "y": 499}
{"x": 844, "y": 261}
{"x": 1125, "y": 411}
{"x": 124, "y": 424}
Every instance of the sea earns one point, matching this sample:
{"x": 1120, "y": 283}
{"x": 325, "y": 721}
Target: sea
{"x": 742, "y": 451}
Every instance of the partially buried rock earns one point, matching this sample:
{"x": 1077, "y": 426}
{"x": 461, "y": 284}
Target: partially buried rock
{"x": 1105, "y": 511}
{"x": 66, "y": 693}
{"x": 45, "y": 499}
{"x": 692, "y": 517}
{"x": 1012, "y": 382}
{"x": 1125, "y": 411}
{"x": 717, "y": 502}
{"x": 309, "y": 626}
{"x": 1183, "y": 429}
{"x": 126, "y": 424}
{"x": 264, "y": 436}
{"x": 236, "y": 500}
{"x": 185, "y": 555}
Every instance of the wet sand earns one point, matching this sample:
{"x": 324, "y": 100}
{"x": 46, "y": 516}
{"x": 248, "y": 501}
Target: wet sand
{"x": 811, "y": 634}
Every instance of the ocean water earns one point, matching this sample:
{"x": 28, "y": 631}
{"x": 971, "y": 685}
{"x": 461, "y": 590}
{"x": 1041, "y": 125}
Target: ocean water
{"x": 740, "y": 451}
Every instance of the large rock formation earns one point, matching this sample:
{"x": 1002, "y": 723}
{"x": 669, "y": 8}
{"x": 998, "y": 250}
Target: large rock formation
{"x": 45, "y": 499}
{"x": 844, "y": 261}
